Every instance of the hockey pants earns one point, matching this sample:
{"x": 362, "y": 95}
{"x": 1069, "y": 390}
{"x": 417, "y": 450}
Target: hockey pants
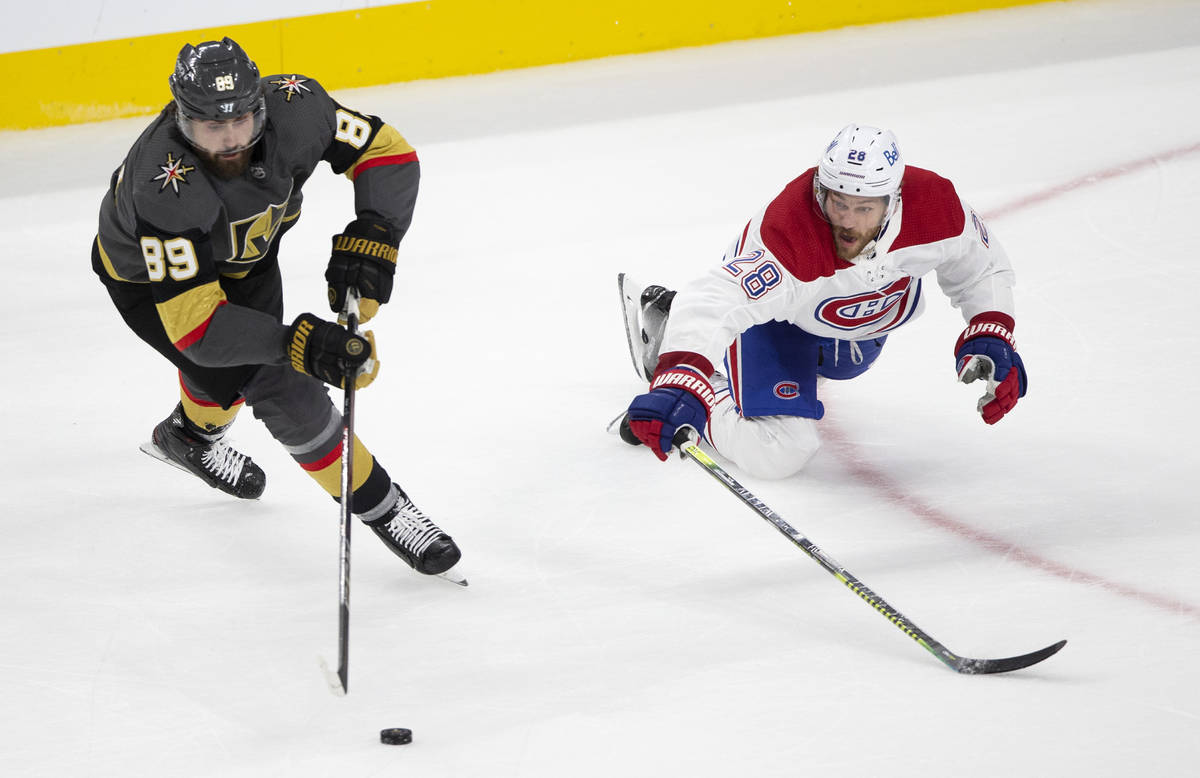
{"x": 295, "y": 408}
{"x": 766, "y": 411}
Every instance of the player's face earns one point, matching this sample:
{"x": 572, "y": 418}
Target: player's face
{"x": 855, "y": 221}
{"x": 225, "y": 145}
{"x": 223, "y": 137}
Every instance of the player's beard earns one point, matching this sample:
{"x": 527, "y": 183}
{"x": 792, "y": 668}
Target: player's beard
{"x": 226, "y": 167}
{"x": 848, "y": 251}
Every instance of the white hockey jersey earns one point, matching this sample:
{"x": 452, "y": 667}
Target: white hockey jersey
{"x": 784, "y": 267}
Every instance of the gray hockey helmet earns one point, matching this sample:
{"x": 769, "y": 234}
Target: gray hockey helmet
{"x": 216, "y": 81}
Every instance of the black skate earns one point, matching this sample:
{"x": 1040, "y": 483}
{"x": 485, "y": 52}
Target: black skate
{"x": 645, "y": 311}
{"x": 621, "y": 426}
{"x": 178, "y": 442}
{"x": 414, "y": 538}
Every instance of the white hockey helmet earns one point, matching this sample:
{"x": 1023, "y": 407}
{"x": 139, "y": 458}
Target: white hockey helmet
{"x": 861, "y": 161}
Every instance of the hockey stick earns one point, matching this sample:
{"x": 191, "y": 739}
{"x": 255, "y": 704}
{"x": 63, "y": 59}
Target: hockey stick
{"x": 959, "y": 664}
{"x": 345, "y": 514}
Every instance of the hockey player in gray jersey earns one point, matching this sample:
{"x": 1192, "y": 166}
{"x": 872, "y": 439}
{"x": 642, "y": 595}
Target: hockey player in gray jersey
{"x": 188, "y": 247}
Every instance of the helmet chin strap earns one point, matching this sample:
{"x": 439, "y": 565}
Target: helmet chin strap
{"x": 892, "y": 207}
{"x": 868, "y": 251}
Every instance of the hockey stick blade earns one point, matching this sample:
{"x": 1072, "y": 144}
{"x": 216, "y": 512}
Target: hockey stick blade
{"x": 965, "y": 665}
{"x": 968, "y": 666}
{"x": 331, "y": 678}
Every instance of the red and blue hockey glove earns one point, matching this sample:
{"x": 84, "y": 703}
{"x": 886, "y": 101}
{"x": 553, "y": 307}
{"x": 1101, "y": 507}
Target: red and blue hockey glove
{"x": 679, "y": 397}
{"x": 986, "y": 349}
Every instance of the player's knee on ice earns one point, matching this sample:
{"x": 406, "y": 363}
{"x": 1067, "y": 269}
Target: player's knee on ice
{"x": 766, "y": 446}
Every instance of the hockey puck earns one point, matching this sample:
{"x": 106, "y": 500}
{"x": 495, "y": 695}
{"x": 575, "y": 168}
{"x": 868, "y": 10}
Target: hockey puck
{"x": 395, "y": 737}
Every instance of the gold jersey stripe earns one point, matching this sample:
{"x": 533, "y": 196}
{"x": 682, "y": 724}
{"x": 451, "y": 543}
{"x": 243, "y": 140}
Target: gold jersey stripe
{"x": 108, "y": 265}
{"x": 388, "y": 147}
{"x": 185, "y": 316}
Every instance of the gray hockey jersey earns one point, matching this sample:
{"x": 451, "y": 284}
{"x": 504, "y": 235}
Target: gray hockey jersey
{"x": 170, "y": 226}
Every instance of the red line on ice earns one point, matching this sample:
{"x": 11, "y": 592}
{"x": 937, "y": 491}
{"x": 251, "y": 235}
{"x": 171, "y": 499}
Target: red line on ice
{"x": 894, "y": 492}
{"x": 1090, "y": 179}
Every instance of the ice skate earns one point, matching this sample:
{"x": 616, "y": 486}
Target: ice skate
{"x": 178, "y": 442}
{"x": 413, "y": 537}
{"x": 621, "y": 427}
{"x": 645, "y": 310}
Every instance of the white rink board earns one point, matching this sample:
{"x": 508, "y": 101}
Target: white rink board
{"x": 62, "y": 22}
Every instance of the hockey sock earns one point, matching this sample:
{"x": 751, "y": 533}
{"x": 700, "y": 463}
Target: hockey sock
{"x": 204, "y": 414}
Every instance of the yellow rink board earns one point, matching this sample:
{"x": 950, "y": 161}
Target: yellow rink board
{"x": 128, "y": 77}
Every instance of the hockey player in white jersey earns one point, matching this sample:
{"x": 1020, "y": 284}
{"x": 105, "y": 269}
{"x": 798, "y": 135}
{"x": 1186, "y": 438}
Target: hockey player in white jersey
{"x": 811, "y": 288}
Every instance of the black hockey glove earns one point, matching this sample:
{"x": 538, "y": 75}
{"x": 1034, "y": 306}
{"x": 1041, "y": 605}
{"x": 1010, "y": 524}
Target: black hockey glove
{"x": 363, "y": 258}
{"x": 325, "y": 351}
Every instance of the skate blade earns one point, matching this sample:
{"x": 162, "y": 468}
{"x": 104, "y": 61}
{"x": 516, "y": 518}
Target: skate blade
{"x": 631, "y": 304}
{"x": 614, "y": 426}
{"x": 149, "y": 448}
{"x": 453, "y": 576}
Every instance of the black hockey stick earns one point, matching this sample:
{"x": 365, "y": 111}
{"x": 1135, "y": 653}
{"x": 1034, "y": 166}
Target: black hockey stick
{"x": 959, "y": 664}
{"x": 345, "y": 514}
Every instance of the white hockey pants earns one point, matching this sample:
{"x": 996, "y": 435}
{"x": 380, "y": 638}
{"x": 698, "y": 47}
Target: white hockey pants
{"x": 763, "y": 446}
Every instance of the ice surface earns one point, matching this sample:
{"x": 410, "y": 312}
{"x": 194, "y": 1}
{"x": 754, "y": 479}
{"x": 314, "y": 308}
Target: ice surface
{"x": 627, "y": 617}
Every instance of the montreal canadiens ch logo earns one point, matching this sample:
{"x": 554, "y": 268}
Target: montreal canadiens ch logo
{"x": 787, "y": 390}
{"x": 881, "y": 310}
